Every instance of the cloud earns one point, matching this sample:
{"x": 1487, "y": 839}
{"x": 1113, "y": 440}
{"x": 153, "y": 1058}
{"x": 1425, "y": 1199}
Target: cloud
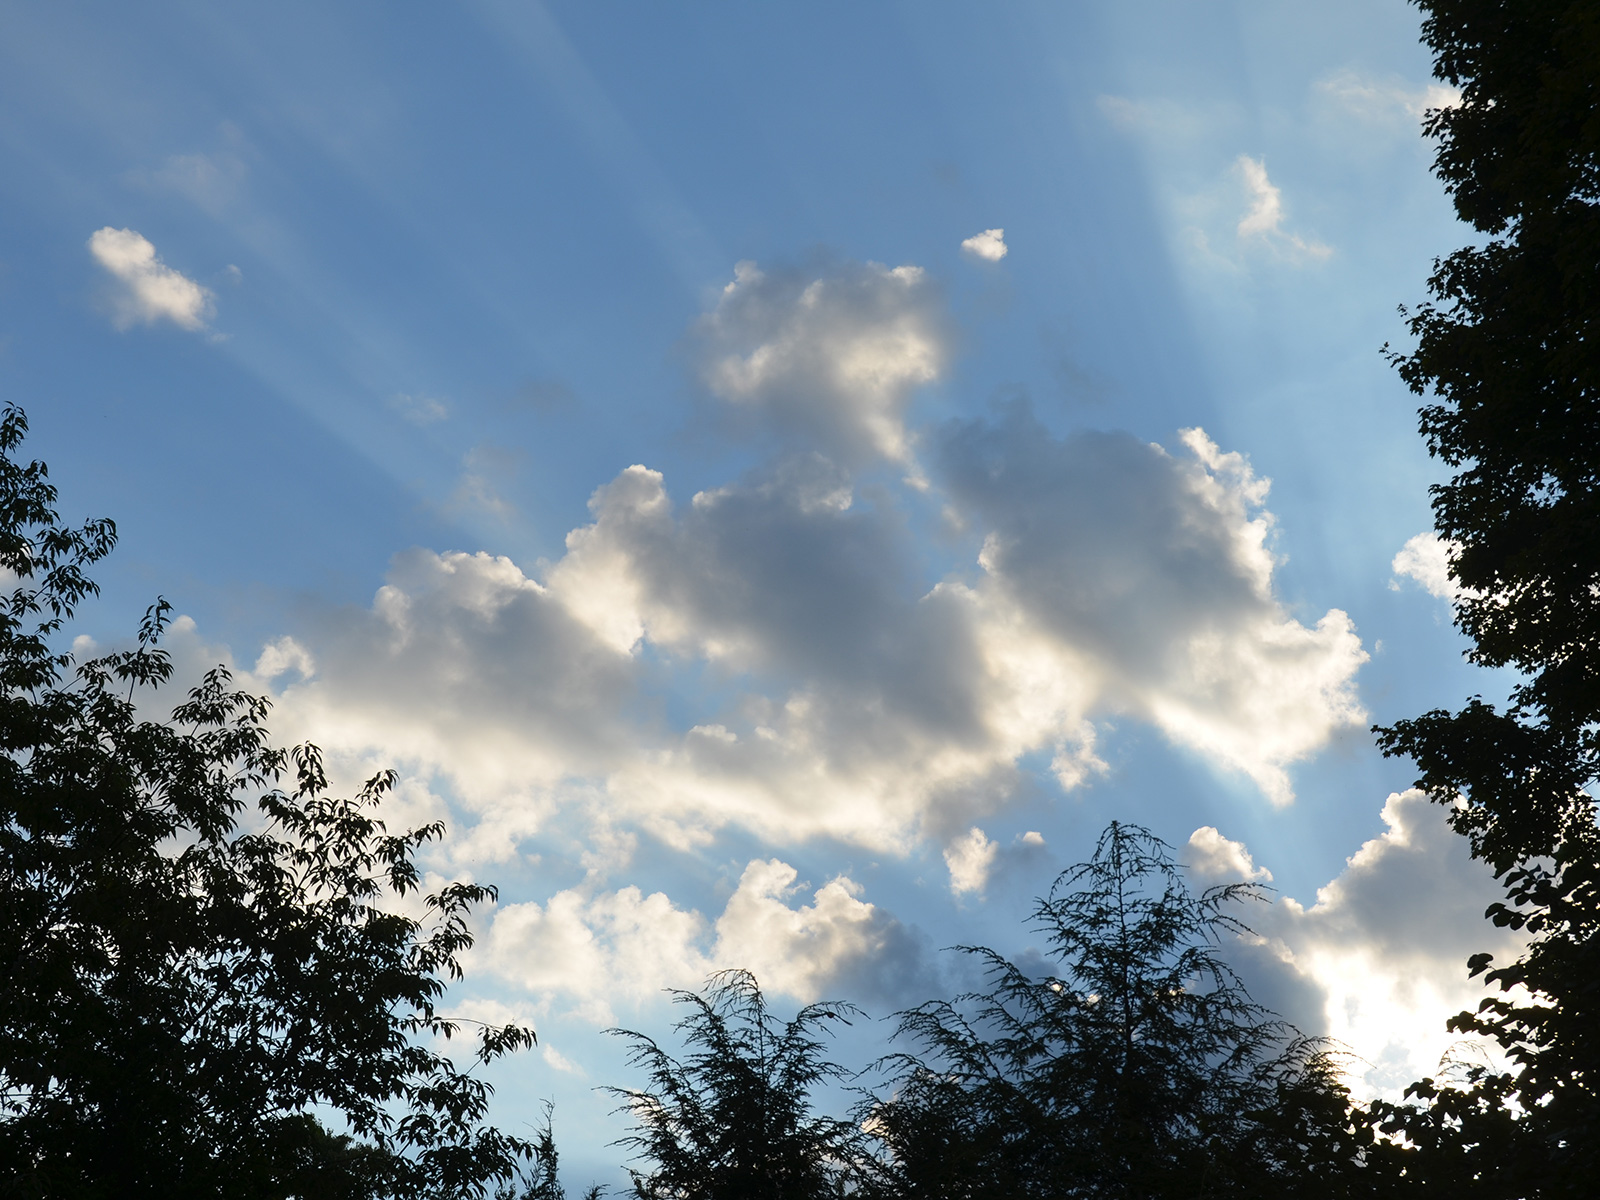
{"x": 282, "y": 655}
{"x": 210, "y": 181}
{"x": 819, "y": 684}
{"x": 557, "y": 1061}
{"x": 1383, "y": 950}
{"x": 799, "y": 951}
{"x": 419, "y": 409}
{"x": 970, "y": 858}
{"x": 990, "y": 245}
{"x": 784, "y": 656}
{"x": 484, "y": 470}
{"x": 591, "y": 952}
{"x": 831, "y": 356}
{"x": 1164, "y": 119}
{"x": 863, "y": 700}
{"x": 1215, "y": 858}
{"x": 1263, "y": 220}
{"x": 1148, "y": 577}
{"x": 149, "y": 290}
{"x": 1121, "y": 111}
{"x": 781, "y": 655}
{"x": 1266, "y": 201}
{"x": 1425, "y": 559}
{"x": 1386, "y": 100}
{"x": 465, "y": 668}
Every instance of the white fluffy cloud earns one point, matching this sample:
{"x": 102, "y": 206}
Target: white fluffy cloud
{"x": 1262, "y": 222}
{"x": 1425, "y": 559}
{"x": 1377, "y": 961}
{"x": 1148, "y": 578}
{"x": 990, "y": 245}
{"x": 776, "y": 655}
{"x": 464, "y": 668}
{"x": 589, "y": 952}
{"x": 1265, "y": 215}
{"x": 147, "y": 290}
{"x": 798, "y": 950}
{"x": 867, "y": 699}
{"x": 845, "y": 697}
{"x": 970, "y": 858}
{"x": 1215, "y": 858}
{"x": 832, "y": 355}
{"x": 1382, "y": 952}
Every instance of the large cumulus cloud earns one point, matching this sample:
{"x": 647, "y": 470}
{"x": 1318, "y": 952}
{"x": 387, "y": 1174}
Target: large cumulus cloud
{"x": 791, "y": 656}
{"x": 776, "y": 655}
{"x": 1378, "y": 961}
{"x": 830, "y": 689}
{"x": 864, "y": 701}
{"x": 1152, "y": 570}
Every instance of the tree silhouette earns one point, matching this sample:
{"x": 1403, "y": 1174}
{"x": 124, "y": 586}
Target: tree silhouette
{"x": 540, "y": 1177}
{"x": 1140, "y": 1067}
{"x": 184, "y": 1001}
{"x": 1506, "y": 357}
{"x": 733, "y": 1120}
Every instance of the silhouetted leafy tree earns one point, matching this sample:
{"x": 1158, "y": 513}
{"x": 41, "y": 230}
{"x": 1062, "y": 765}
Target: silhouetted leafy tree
{"x": 540, "y": 1178}
{"x": 183, "y": 1000}
{"x": 733, "y": 1120}
{"x": 1139, "y": 1068}
{"x": 1508, "y": 357}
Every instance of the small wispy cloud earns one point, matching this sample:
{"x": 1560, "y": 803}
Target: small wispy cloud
{"x": 484, "y": 470}
{"x": 1121, "y": 111}
{"x": 1263, "y": 219}
{"x": 1387, "y": 99}
{"x": 147, "y": 289}
{"x": 990, "y": 245}
{"x": 212, "y": 182}
{"x": 418, "y": 409}
{"x": 1163, "y": 118}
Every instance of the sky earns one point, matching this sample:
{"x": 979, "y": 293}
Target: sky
{"x": 777, "y": 479}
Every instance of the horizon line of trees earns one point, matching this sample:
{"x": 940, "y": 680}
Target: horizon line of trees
{"x": 197, "y": 1003}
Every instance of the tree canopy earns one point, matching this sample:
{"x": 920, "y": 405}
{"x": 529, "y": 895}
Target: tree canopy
{"x": 197, "y": 1000}
{"x": 735, "y": 1118}
{"x": 1138, "y": 1067}
{"x": 1506, "y": 358}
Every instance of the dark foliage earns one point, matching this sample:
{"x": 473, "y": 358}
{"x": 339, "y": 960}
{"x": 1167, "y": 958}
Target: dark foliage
{"x": 1508, "y": 357}
{"x": 734, "y": 1120}
{"x": 185, "y": 997}
{"x": 1139, "y": 1068}
{"x": 540, "y": 1177}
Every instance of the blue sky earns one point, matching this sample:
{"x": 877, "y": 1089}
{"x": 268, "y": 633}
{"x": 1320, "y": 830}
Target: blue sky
{"x": 731, "y": 458}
